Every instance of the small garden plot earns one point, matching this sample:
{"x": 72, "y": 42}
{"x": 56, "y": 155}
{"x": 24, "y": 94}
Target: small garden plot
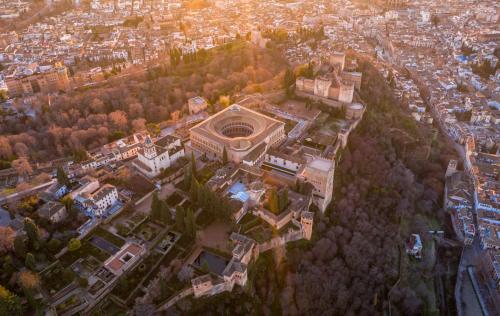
{"x": 110, "y": 237}
{"x": 96, "y": 287}
{"x": 110, "y": 308}
{"x": 81, "y": 270}
{"x": 53, "y": 280}
{"x": 175, "y": 199}
{"x": 249, "y": 221}
{"x": 310, "y": 143}
{"x": 147, "y": 231}
{"x": 91, "y": 263}
{"x": 137, "y": 218}
{"x": 131, "y": 280}
{"x": 260, "y": 234}
{"x": 128, "y": 225}
{"x": 71, "y": 302}
{"x": 247, "y": 218}
{"x": 169, "y": 239}
{"x": 205, "y": 174}
{"x": 287, "y": 227}
{"x": 105, "y": 275}
{"x": 87, "y": 249}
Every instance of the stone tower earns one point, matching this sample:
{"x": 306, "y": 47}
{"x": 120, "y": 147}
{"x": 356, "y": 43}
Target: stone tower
{"x": 149, "y": 148}
{"x": 307, "y": 220}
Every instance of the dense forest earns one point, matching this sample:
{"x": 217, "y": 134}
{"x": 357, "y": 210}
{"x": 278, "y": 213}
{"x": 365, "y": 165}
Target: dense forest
{"x": 86, "y": 119}
{"x": 388, "y": 185}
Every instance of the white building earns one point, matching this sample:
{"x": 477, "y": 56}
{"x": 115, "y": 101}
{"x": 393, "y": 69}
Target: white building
{"x": 319, "y": 172}
{"x": 96, "y": 203}
{"x": 86, "y": 185}
{"x": 153, "y": 158}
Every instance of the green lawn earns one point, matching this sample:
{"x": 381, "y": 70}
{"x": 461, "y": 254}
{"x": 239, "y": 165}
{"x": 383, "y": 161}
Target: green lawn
{"x": 147, "y": 231}
{"x": 112, "y": 238}
{"x": 85, "y": 250}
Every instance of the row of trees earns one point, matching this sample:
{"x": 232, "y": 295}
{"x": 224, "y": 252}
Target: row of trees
{"x": 160, "y": 210}
{"x": 218, "y": 207}
{"x": 184, "y": 220}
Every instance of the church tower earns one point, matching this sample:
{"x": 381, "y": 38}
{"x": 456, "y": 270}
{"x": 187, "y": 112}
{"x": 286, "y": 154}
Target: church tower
{"x": 149, "y": 148}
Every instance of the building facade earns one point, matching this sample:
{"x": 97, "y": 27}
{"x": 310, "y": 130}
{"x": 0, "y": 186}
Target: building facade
{"x": 244, "y": 134}
{"x": 153, "y": 158}
{"x": 331, "y": 82}
{"x": 319, "y": 172}
{"x": 45, "y": 82}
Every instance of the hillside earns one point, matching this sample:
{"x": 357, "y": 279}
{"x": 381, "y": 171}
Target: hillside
{"x": 356, "y": 264}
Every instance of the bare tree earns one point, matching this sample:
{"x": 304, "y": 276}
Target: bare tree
{"x": 22, "y": 167}
{"x": 7, "y": 236}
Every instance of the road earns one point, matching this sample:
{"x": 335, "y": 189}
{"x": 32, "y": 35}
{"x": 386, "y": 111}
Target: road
{"x": 22, "y": 194}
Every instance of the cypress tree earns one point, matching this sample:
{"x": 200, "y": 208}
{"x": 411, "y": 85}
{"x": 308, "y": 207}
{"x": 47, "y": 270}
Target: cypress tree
{"x": 29, "y": 262}
{"x": 31, "y": 230}
{"x": 61, "y": 176}
{"x": 187, "y": 178}
{"x": 194, "y": 172}
{"x": 165, "y": 216}
{"x": 179, "y": 218}
{"x": 273, "y": 201}
{"x": 193, "y": 190}
{"x": 190, "y": 225}
{"x": 155, "y": 207}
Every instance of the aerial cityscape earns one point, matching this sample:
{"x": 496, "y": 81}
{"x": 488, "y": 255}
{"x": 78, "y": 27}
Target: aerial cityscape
{"x": 249, "y": 157}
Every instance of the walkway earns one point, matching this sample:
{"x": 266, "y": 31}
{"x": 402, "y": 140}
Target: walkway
{"x": 171, "y": 302}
